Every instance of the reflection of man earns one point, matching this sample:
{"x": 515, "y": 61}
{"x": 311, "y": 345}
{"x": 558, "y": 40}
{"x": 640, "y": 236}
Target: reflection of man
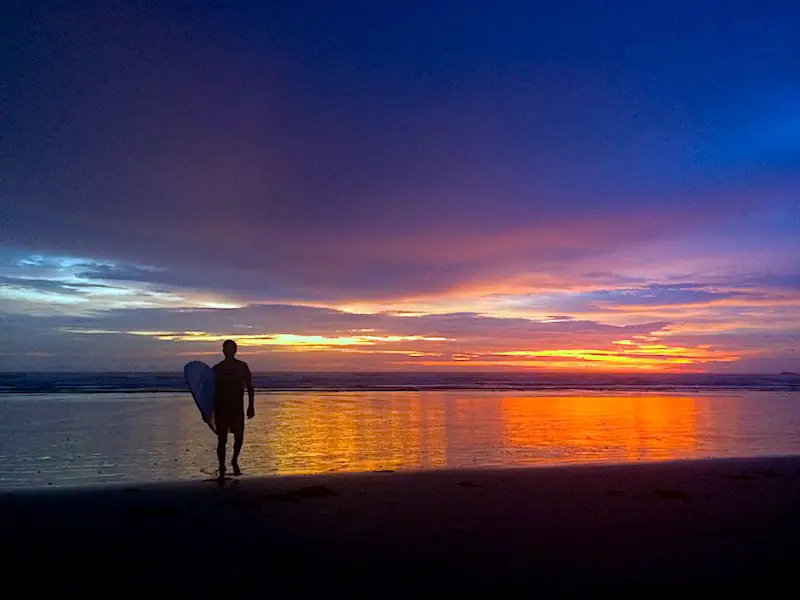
{"x": 232, "y": 376}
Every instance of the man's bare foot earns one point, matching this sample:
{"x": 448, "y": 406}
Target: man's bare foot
{"x": 236, "y": 470}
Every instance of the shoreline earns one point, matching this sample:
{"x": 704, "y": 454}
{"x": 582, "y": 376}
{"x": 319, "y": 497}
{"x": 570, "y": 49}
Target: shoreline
{"x": 598, "y": 390}
{"x": 645, "y": 526}
{"x": 272, "y": 478}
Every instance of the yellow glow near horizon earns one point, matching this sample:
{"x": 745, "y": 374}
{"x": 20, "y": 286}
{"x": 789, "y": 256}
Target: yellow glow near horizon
{"x": 633, "y": 356}
{"x": 642, "y": 352}
{"x": 290, "y": 339}
{"x": 555, "y": 365}
{"x": 640, "y": 355}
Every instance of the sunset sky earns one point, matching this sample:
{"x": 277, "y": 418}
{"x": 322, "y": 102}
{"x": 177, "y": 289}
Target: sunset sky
{"x": 401, "y": 185}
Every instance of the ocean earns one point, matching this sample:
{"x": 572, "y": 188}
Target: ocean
{"x": 26, "y": 383}
{"x": 67, "y": 429}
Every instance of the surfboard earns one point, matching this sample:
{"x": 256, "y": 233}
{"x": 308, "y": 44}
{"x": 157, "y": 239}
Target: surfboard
{"x": 200, "y": 379}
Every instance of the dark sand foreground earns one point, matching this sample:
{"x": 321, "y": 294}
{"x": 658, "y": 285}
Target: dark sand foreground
{"x": 649, "y": 528}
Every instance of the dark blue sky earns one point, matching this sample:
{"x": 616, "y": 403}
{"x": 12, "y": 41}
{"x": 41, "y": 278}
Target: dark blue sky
{"x": 501, "y": 159}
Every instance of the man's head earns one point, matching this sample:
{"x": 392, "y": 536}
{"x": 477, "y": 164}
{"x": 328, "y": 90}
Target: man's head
{"x": 229, "y": 348}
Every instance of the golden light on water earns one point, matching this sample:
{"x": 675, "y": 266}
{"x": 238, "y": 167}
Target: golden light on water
{"x": 357, "y": 432}
{"x": 625, "y": 427}
{"x": 412, "y": 430}
{"x": 162, "y": 437}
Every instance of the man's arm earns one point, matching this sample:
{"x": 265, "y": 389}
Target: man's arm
{"x": 251, "y": 393}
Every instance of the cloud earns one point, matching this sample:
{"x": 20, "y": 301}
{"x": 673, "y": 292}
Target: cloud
{"x": 295, "y": 337}
{"x": 49, "y": 285}
{"x": 122, "y": 273}
{"x": 654, "y": 299}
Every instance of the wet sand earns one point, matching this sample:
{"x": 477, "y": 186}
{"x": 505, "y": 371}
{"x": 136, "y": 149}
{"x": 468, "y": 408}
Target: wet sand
{"x": 650, "y": 528}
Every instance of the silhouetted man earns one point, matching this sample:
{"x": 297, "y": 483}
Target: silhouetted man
{"x": 232, "y": 376}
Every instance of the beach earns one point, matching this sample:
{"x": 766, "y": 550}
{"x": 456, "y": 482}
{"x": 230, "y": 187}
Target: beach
{"x": 651, "y": 528}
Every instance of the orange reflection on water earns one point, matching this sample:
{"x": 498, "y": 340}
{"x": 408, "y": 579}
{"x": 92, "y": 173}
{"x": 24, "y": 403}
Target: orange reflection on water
{"x": 72, "y": 440}
{"x": 318, "y": 432}
{"x": 597, "y": 428}
{"x": 356, "y": 432}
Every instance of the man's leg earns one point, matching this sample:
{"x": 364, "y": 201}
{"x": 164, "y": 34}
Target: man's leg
{"x": 222, "y": 441}
{"x": 238, "y": 440}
